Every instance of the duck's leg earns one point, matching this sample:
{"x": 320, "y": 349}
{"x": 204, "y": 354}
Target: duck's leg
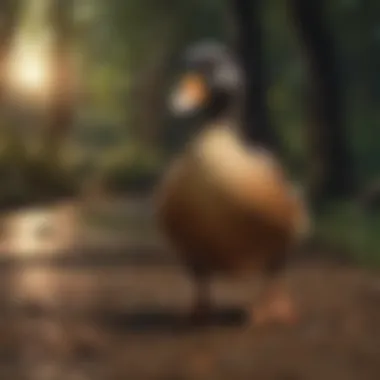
{"x": 276, "y": 305}
{"x": 201, "y": 308}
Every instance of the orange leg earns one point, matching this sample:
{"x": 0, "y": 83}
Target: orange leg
{"x": 275, "y": 304}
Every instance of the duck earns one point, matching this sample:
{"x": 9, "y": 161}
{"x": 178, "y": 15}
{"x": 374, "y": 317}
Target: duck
{"x": 227, "y": 206}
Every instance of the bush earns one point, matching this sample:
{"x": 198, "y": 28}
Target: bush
{"x": 347, "y": 225}
{"x": 130, "y": 169}
{"x": 28, "y": 178}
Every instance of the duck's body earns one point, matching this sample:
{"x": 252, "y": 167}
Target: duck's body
{"x": 225, "y": 206}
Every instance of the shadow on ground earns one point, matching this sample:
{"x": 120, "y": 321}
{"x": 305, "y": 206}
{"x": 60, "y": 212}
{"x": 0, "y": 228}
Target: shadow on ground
{"x": 155, "y": 320}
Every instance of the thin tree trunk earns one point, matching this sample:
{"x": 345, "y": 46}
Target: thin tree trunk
{"x": 152, "y": 89}
{"x": 256, "y": 122}
{"x": 9, "y": 17}
{"x": 330, "y": 164}
{"x": 60, "y": 112}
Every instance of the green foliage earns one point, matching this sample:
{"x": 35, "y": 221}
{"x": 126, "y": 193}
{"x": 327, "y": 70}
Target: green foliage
{"x": 346, "y": 225}
{"x": 131, "y": 168}
{"x": 29, "y": 178}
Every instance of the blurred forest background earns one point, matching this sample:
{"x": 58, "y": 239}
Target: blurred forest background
{"x": 84, "y": 84}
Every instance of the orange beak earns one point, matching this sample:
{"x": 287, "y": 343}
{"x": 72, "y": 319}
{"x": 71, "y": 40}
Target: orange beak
{"x": 190, "y": 94}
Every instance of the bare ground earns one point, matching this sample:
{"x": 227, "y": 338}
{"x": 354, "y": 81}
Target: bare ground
{"x": 128, "y": 323}
{"x": 118, "y": 316}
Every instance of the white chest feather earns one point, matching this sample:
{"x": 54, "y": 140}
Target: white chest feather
{"x": 225, "y": 158}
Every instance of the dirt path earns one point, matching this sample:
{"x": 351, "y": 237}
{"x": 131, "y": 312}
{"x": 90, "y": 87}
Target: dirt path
{"x": 125, "y": 323}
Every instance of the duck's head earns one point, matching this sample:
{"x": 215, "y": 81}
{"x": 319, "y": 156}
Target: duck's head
{"x": 210, "y": 82}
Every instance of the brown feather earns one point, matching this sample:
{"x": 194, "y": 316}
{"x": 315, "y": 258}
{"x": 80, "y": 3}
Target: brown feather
{"x": 229, "y": 208}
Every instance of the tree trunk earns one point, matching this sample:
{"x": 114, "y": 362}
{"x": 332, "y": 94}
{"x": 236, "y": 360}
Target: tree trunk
{"x": 151, "y": 90}
{"x": 330, "y": 171}
{"x": 9, "y": 12}
{"x": 60, "y": 112}
{"x": 256, "y": 123}
{"x": 9, "y": 19}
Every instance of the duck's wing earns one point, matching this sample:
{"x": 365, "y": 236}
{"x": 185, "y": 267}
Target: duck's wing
{"x": 264, "y": 191}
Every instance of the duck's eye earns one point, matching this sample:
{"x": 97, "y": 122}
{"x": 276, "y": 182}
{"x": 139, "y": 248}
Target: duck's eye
{"x": 190, "y": 94}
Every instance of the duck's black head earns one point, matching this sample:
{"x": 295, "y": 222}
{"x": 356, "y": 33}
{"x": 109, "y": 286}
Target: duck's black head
{"x": 210, "y": 84}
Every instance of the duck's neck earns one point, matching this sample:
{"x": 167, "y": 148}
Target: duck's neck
{"x": 222, "y": 114}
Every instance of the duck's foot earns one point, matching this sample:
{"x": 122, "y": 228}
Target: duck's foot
{"x": 279, "y": 308}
